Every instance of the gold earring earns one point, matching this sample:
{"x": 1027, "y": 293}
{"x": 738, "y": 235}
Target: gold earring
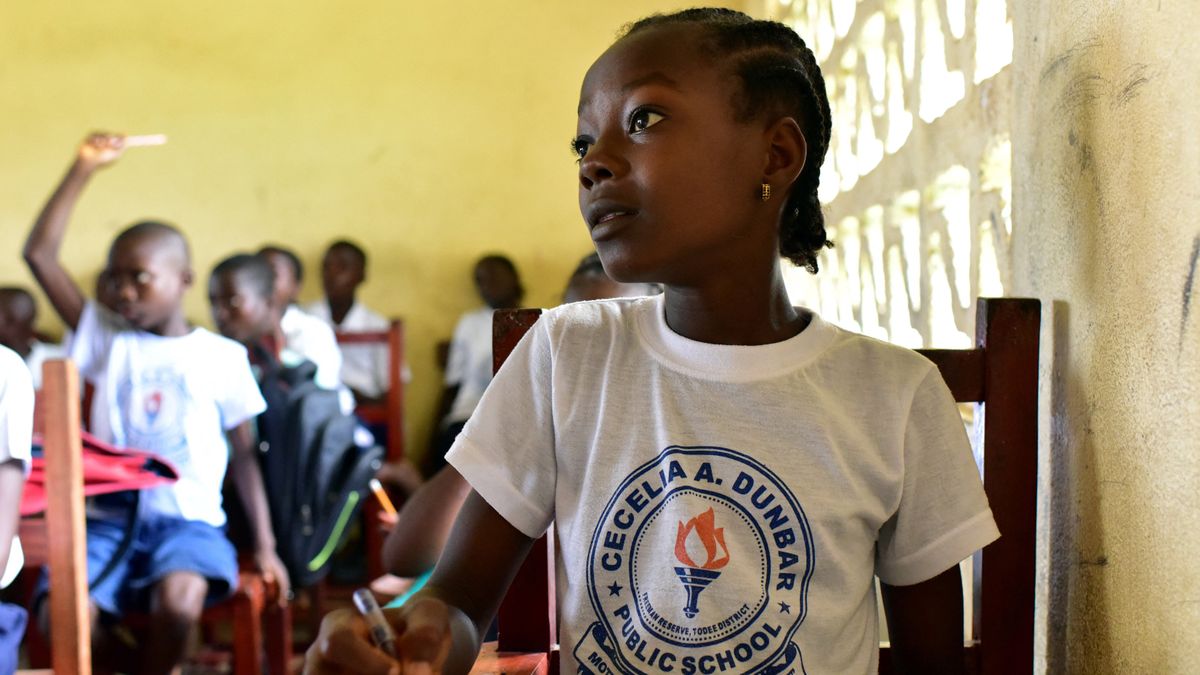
{"x": 766, "y": 192}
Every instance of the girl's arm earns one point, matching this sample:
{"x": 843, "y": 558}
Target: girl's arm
{"x": 925, "y": 624}
{"x": 441, "y": 626}
{"x": 45, "y": 240}
{"x": 424, "y": 524}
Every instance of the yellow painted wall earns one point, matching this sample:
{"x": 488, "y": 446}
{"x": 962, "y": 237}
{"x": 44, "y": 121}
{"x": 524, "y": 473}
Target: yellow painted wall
{"x": 1106, "y": 158}
{"x": 431, "y": 132}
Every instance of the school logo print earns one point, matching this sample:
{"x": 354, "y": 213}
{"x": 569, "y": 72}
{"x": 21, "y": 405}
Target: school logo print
{"x": 152, "y": 404}
{"x": 699, "y": 564}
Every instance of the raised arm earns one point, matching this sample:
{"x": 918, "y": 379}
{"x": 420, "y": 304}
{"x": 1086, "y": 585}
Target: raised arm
{"x": 247, "y": 477}
{"x": 441, "y": 626}
{"x": 45, "y": 240}
{"x": 925, "y": 624}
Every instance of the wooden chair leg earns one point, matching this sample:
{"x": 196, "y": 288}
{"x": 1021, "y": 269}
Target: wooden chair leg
{"x": 248, "y": 632}
{"x": 278, "y": 628}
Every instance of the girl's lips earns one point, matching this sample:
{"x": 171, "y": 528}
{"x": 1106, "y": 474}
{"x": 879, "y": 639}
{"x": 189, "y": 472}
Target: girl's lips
{"x": 610, "y": 216}
{"x": 609, "y": 225}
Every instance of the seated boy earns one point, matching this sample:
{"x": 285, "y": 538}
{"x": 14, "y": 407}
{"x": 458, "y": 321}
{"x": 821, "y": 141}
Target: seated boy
{"x": 241, "y": 295}
{"x": 304, "y": 334}
{"x": 16, "y": 423}
{"x": 469, "y": 367}
{"x": 364, "y": 367}
{"x": 18, "y": 316}
{"x": 164, "y": 386}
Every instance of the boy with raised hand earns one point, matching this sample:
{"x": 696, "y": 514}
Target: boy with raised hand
{"x": 164, "y": 386}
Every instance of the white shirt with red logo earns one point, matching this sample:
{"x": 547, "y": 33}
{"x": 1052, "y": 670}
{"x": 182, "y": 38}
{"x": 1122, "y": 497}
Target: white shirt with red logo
{"x": 723, "y": 508}
{"x": 173, "y": 396}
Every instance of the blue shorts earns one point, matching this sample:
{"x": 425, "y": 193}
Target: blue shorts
{"x": 12, "y": 630}
{"x": 161, "y": 545}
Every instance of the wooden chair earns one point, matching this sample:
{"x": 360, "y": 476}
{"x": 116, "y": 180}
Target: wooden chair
{"x": 59, "y": 540}
{"x": 390, "y": 414}
{"x": 1001, "y": 375}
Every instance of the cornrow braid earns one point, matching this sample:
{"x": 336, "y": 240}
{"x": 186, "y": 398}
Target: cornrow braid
{"x": 779, "y": 77}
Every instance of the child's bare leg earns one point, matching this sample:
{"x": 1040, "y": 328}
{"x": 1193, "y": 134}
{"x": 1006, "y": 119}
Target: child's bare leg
{"x": 175, "y": 607}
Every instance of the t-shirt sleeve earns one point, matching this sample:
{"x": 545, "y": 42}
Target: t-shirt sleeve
{"x": 16, "y": 409}
{"x": 92, "y": 340}
{"x": 507, "y": 450}
{"x": 239, "y": 397}
{"x": 943, "y": 515}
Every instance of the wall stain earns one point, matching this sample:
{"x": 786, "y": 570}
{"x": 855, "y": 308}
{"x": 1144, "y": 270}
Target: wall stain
{"x": 1135, "y": 77}
{"x": 1071, "y": 54}
{"x": 1090, "y": 86}
{"x": 1187, "y": 289}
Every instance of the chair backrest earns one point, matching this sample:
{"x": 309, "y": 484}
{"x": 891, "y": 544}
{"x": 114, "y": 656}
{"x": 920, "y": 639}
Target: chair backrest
{"x": 999, "y": 373}
{"x": 391, "y": 413}
{"x": 66, "y": 543}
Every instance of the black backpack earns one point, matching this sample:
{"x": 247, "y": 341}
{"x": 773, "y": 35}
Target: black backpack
{"x": 315, "y": 473}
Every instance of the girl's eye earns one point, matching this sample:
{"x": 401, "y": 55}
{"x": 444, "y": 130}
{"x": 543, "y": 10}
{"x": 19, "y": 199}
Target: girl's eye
{"x": 643, "y": 119}
{"x": 579, "y": 147}
{"x": 143, "y": 278}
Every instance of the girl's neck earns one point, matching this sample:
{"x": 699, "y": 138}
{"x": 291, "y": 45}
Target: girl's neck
{"x": 741, "y": 310}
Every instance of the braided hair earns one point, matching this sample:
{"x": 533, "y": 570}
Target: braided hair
{"x": 779, "y": 76}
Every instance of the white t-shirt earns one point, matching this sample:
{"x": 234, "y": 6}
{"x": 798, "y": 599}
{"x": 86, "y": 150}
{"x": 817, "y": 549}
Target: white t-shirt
{"x": 173, "y": 396}
{"x": 723, "y": 508}
{"x": 364, "y": 366}
{"x": 16, "y": 431}
{"x": 307, "y": 337}
{"x": 39, "y": 353}
{"x": 469, "y": 365}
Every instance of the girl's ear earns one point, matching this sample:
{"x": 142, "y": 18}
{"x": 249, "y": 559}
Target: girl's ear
{"x": 786, "y": 153}
{"x": 188, "y": 278}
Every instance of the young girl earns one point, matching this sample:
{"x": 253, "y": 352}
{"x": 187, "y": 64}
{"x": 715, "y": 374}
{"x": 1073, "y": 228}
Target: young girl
{"x": 726, "y": 473}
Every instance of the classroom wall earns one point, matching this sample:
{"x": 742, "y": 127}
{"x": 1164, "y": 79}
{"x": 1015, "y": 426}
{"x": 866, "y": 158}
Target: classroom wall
{"x": 1106, "y": 155}
{"x": 430, "y": 132}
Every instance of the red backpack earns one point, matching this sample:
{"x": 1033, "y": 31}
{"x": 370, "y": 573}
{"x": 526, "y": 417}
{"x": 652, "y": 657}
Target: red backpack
{"x": 106, "y": 469}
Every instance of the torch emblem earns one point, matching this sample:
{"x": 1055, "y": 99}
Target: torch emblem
{"x": 699, "y": 539}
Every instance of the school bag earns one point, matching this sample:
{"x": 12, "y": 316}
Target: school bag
{"x": 315, "y": 467}
{"x": 106, "y": 469}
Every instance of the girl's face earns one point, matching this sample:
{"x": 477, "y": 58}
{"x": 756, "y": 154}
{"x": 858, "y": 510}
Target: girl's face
{"x": 668, "y": 179}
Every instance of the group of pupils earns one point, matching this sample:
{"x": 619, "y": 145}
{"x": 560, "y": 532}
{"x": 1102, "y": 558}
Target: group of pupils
{"x": 726, "y": 473}
{"x": 166, "y": 386}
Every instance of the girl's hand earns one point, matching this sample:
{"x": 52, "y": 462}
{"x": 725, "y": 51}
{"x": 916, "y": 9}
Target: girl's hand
{"x": 423, "y": 638}
{"x": 100, "y": 150}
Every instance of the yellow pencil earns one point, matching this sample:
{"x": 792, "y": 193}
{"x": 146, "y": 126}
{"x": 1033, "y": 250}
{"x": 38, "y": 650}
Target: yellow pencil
{"x": 381, "y": 495}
